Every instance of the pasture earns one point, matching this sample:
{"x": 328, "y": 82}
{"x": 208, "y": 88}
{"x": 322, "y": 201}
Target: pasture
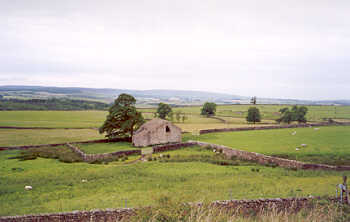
{"x": 329, "y": 145}
{"x": 61, "y": 186}
{"x": 22, "y": 137}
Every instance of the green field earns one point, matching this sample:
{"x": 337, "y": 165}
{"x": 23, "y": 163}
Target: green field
{"x": 59, "y": 187}
{"x": 53, "y": 119}
{"x": 232, "y": 114}
{"x": 330, "y": 145}
{"x": 16, "y": 137}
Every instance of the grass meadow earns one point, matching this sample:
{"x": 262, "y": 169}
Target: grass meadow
{"x": 329, "y": 145}
{"x": 60, "y": 186}
{"x": 21, "y": 137}
{"x": 53, "y": 119}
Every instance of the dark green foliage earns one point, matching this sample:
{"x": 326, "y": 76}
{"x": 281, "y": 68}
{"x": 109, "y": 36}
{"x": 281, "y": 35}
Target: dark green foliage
{"x": 253, "y": 100}
{"x": 295, "y": 114}
{"x": 62, "y": 153}
{"x": 164, "y": 110}
{"x": 253, "y": 115}
{"x": 208, "y": 109}
{"x": 51, "y": 104}
{"x": 123, "y": 118}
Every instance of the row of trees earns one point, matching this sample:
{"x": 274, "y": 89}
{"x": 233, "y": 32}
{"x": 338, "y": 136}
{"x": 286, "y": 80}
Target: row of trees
{"x": 51, "y": 104}
{"x": 164, "y": 111}
{"x": 123, "y": 118}
{"x": 297, "y": 113}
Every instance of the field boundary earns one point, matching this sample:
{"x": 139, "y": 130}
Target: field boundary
{"x": 269, "y": 160}
{"x": 101, "y": 156}
{"x": 219, "y": 130}
{"x": 238, "y": 206}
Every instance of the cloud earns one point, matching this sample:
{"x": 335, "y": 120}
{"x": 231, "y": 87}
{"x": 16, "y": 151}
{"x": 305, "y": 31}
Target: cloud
{"x": 289, "y": 49}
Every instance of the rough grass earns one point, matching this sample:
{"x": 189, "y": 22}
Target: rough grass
{"x": 53, "y": 119}
{"x": 15, "y": 137}
{"x": 59, "y": 187}
{"x": 330, "y": 145}
{"x": 172, "y": 209}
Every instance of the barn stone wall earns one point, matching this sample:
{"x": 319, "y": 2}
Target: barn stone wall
{"x": 157, "y": 136}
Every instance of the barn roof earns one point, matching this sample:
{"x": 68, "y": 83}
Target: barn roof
{"x": 154, "y": 124}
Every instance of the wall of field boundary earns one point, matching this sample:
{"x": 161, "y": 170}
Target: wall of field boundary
{"x": 272, "y": 127}
{"x": 112, "y": 215}
{"x": 268, "y": 160}
{"x": 103, "y": 156}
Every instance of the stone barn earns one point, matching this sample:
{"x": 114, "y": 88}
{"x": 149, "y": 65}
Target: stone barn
{"x": 156, "y": 131}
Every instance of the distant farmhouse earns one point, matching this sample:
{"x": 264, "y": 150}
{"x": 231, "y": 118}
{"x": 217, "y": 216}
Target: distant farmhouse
{"x": 156, "y": 131}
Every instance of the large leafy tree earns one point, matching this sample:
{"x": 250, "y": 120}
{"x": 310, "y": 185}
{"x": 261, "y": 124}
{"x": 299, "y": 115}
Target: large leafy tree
{"x": 123, "y": 118}
{"x": 253, "y": 115}
{"x": 295, "y": 114}
{"x": 208, "y": 109}
{"x": 164, "y": 110}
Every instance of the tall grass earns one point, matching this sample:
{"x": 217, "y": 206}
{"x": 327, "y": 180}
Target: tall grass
{"x": 170, "y": 210}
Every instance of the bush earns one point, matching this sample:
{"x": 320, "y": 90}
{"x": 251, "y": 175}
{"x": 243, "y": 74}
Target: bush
{"x": 62, "y": 153}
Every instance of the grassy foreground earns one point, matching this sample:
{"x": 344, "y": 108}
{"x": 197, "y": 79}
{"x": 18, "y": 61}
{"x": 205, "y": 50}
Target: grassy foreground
{"x": 61, "y": 186}
{"x": 329, "y": 145}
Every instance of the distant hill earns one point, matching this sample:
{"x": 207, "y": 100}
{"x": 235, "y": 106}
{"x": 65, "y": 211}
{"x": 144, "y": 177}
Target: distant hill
{"x": 144, "y": 98}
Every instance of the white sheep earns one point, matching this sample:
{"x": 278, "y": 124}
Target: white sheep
{"x": 293, "y": 133}
{"x": 84, "y": 180}
{"x": 28, "y": 187}
{"x": 297, "y": 149}
{"x": 303, "y": 145}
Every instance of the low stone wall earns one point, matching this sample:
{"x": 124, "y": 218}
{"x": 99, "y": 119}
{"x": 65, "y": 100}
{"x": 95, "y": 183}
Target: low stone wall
{"x": 63, "y": 144}
{"x": 174, "y": 146}
{"x": 258, "y": 205}
{"x": 109, "y": 215}
{"x": 267, "y": 160}
{"x": 93, "y": 157}
{"x": 272, "y": 127}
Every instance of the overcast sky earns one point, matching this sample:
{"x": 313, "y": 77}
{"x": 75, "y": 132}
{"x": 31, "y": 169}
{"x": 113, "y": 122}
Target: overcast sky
{"x": 268, "y": 48}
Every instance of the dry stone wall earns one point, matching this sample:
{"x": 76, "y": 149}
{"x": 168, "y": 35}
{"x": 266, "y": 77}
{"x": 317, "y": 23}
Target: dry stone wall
{"x": 267, "y": 160}
{"x": 109, "y": 215}
{"x": 94, "y": 157}
{"x": 175, "y": 146}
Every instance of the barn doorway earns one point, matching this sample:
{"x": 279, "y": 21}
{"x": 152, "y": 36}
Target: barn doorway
{"x": 167, "y": 129}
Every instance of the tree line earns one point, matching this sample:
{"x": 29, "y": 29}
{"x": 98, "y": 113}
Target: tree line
{"x": 51, "y": 104}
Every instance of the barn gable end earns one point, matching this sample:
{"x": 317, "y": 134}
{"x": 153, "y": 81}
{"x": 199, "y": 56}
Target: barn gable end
{"x": 156, "y": 131}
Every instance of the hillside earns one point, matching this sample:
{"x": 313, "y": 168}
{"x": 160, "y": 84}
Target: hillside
{"x": 144, "y": 98}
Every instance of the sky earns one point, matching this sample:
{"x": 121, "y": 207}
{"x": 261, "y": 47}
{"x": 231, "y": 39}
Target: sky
{"x": 272, "y": 48}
